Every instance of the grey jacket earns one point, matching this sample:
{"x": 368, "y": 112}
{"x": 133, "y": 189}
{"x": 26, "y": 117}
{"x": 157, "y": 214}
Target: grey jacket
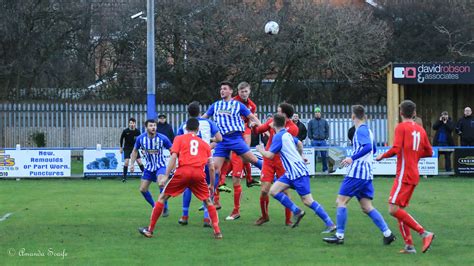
{"x": 318, "y": 129}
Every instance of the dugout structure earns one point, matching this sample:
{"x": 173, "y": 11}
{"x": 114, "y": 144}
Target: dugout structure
{"x": 434, "y": 87}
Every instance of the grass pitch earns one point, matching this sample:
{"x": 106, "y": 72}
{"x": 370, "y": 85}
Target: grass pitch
{"x": 95, "y": 222}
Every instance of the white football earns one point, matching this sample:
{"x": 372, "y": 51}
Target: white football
{"x": 272, "y": 28}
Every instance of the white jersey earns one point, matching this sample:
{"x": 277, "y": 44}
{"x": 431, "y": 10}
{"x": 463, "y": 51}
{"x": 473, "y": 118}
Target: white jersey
{"x": 361, "y": 167}
{"x": 284, "y": 143}
{"x": 228, "y": 115}
{"x": 207, "y": 129}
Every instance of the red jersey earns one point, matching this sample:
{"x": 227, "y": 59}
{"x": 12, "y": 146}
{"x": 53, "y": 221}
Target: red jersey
{"x": 192, "y": 151}
{"x": 290, "y": 127}
{"x": 410, "y": 144}
{"x": 249, "y": 104}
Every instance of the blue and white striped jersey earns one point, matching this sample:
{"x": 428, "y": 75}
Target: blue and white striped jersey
{"x": 284, "y": 143}
{"x": 207, "y": 129}
{"x": 153, "y": 150}
{"x": 362, "y": 167}
{"x": 228, "y": 115}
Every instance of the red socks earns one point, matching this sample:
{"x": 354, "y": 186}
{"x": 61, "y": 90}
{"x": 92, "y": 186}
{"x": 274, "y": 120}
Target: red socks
{"x": 264, "y": 200}
{"x": 405, "y": 230}
{"x": 406, "y": 218}
{"x": 248, "y": 172}
{"x": 214, "y": 218}
{"x": 287, "y": 216}
{"x": 217, "y": 196}
{"x": 225, "y": 169}
{"x": 237, "y": 195}
{"x": 155, "y": 215}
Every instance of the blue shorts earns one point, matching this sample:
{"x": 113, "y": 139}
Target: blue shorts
{"x": 152, "y": 176}
{"x": 208, "y": 178}
{"x": 232, "y": 142}
{"x": 301, "y": 185}
{"x": 355, "y": 187}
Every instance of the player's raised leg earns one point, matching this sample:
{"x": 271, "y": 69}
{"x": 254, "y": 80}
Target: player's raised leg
{"x": 302, "y": 187}
{"x": 155, "y": 215}
{"x": 276, "y": 191}
{"x": 409, "y": 221}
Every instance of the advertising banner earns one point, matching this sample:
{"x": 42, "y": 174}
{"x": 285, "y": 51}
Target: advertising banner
{"x": 433, "y": 73}
{"x": 109, "y": 162}
{"x": 35, "y": 163}
{"x": 464, "y": 162}
{"x": 426, "y": 166}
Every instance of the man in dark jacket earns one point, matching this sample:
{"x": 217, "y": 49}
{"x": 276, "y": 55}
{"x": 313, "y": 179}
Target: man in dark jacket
{"x": 302, "y": 132}
{"x": 444, "y": 128}
{"x": 318, "y": 133}
{"x": 164, "y": 128}
{"x": 465, "y": 128}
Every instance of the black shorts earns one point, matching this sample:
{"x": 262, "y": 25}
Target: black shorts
{"x": 127, "y": 153}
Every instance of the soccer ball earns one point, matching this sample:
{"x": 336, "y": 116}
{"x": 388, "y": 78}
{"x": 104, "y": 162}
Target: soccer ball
{"x": 272, "y": 28}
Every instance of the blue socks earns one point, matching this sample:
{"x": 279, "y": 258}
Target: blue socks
{"x": 186, "y": 201}
{"x": 341, "y": 218}
{"x": 319, "y": 210}
{"x": 285, "y": 201}
{"x": 206, "y": 212}
{"x": 166, "y": 202}
{"x": 258, "y": 164}
{"x": 149, "y": 198}
{"x": 378, "y": 220}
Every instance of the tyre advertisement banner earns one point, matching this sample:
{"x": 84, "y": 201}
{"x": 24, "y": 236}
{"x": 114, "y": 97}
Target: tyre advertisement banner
{"x": 464, "y": 162}
{"x": 109, "y": 162}
{"x": 308, "y": 154}
{"x": 426, "y": 166}
{"x": 35, "y": 163}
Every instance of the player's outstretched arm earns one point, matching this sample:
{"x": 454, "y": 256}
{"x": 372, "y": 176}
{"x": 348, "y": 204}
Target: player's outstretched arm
{"x": 264, "y": 153}
{"x": 299, "y": 147}
{"x": 397, "y": 144}
{"x": 254, "y": 120}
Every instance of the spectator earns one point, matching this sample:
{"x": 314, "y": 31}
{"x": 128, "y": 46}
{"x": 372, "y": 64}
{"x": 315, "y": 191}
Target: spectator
{"x": 164, "y": 128}
{"x": 465, "y": 128}
{"x": 302, "y": 132}
{"x": 318, "y": 133}
{"x": 444, "y": 128}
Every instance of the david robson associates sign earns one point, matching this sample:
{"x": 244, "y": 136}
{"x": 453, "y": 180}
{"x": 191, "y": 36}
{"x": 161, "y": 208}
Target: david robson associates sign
{"x": 433, "y": 73}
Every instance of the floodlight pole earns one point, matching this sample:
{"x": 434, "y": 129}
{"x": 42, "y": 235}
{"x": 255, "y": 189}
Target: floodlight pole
{"x": 150, "y": 60}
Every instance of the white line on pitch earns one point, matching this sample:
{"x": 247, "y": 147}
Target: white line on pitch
{"x": 4, "y": 217}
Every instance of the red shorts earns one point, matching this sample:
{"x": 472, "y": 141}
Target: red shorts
{"x": 270, "y": 168}
{"x": 188, "y": 177}
{"x": 237, "y": 165}
{"x": 400, "y": 194}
